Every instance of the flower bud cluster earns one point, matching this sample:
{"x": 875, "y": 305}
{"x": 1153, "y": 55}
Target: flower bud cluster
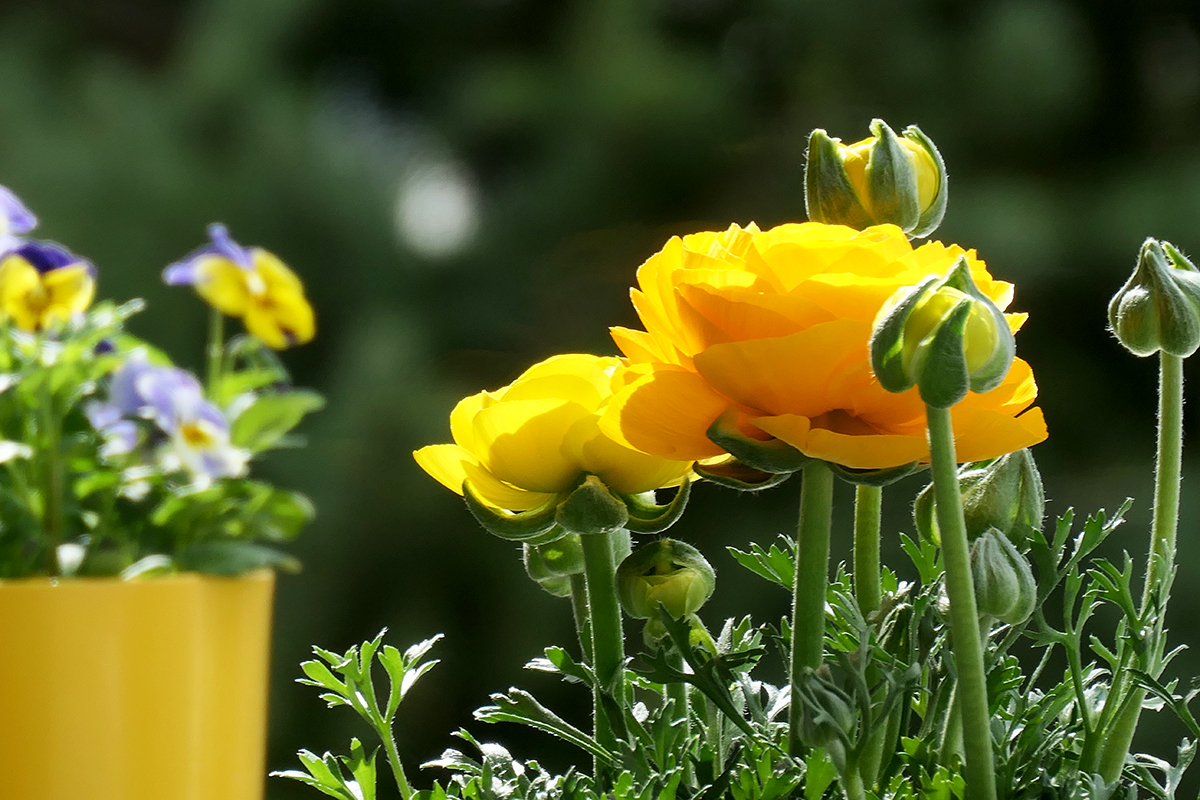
{"x": 1158, "y": 308}
{"x": 885, "y": 178}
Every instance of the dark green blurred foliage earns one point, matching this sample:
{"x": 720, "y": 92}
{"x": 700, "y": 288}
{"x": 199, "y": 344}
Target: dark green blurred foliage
{"x": 578, "y": 136}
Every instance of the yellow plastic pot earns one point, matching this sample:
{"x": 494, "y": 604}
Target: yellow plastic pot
{"x": 134, "y": 690}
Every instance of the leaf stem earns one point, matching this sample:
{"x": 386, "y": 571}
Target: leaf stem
{"x": 579, "y": 609}
{"x": 868, "y": 589}
{"x": 811, "y": 581}
{"x": 971, "y": 690}
{"x": 1168, "y": 474}
{"x": 389, "y": 744}
{"x": 608, "y": 640}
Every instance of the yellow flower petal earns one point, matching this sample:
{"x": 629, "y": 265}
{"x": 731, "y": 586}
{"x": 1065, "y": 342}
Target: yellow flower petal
{"x": 22, "y": 297}
{"x": 982, "y": 433}
{"x": 521, "y": 442}
{"x": 665, "y": 413}
{"x": 803, "y": 374}
{"x": 619, "y": 467}
{"x": 582, "y": 379}
{"x": 450, "y": 465}
{"x": 223, "y": 284}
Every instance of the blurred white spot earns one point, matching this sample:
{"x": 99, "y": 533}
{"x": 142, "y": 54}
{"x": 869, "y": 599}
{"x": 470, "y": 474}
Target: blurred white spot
{"x": 437, "y": 209}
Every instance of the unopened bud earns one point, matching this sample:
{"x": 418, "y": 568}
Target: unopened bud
{"x": 1158, "y": 308}
{"x": 561, "y": 558}
{"x": 943, "y": 336}
{"x": 665, "y": 572}
{"x": 884, "y": 178}
{"x": 1005, "y": 493}
{"x": 1004, "y": 585}
{"x": 827, "y": 715}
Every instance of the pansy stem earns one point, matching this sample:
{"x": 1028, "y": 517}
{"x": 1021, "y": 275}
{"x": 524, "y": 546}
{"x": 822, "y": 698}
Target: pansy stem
{"x": 1168, "y": 474}
{"x": 971, "y": 691}
{"x": 579, "y": 608}
{"x": 52, "y": 516}
{"x": 216, "y": 350}
{"x": 608, "y": 640}
{"x": 868, "y": 588}
{"x": 811, "y": 580}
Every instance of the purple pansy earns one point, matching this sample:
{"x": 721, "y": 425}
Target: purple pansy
{"x": 48, "y": 256}
{"x": 17, "y": 218}
{"x": 186, "y": 271}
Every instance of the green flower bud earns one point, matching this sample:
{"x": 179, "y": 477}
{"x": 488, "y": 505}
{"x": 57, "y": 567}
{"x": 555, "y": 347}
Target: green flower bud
{"x": 558, "y": 559}
{"x": 1004, "y": 585}
{"x": 884, "y": 178}
{"x": 827, "y": 713}
{"x": 1158, "y": 308}
{"x": 943, "y": 336}
{"x": 1005, "y": 493}
{"x": 667, "y": 572}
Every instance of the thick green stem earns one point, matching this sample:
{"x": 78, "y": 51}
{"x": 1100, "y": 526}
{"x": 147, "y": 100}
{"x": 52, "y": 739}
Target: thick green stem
{"x": 811, "y": 580}
{"x": 868, "y": 589}
{"x": 971, "y": 690}
{"x": 677, "y": 693}
{"x": 216, "y": 350}
{"x": 579, "y": 608}
{"x": 608, "y": 641}
{"x": 1168, "y": 474}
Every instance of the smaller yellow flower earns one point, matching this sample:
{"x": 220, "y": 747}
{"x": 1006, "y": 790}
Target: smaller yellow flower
{"x": 540, "y": 436}
{"x": 42, "y": 284}
{"x": 250, "y": 283}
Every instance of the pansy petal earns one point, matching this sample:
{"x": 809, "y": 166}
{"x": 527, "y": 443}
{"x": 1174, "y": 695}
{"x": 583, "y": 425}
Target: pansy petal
{"x": 223, "y": 284}
{"x": 665, "y": 413}
{"x": 18, "y": 280}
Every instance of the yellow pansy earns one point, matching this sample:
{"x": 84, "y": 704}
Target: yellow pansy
{"x": 521, "y": 445}
{"x": 774, "y": 325}
{"x": 250, "y": 283}
{"x": 42, "y": 284}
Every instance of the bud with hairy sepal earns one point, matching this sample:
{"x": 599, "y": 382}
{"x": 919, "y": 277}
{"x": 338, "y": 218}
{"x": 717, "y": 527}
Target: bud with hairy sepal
{"x": 884, "y": 178}
{"x": 558, "y": 559}
{"x": 827, "y": 717}
{"x": 1158, "y": 308}
{"x": 665, "y": 572}
{"x": 945, "y": 337}
{"x": 1005, "y": 493}
{"x": 1004, "y": 585}
{"x": 591, "y": 508}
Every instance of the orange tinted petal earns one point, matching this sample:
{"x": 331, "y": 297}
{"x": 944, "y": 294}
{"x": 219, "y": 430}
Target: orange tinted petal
{"x": 981, "y": 433}
{"x": 804, "y": 373}
{"x": 857, "y": 451}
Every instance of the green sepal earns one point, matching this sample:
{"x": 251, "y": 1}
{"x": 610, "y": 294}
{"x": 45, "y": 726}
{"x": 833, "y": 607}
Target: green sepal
{"x": 925, "y": 516}
{"x": 560, "y": 558}
{"x": 876, "y": 477}
{"x": 772, "y": 455}
{"x": 887, "y": 340}
{"x": 995, "y": 369}
{"x": 592, "y": 509}
{"x": 736, "y": 475}
{"x": 932, "y": 216}
{"x": 647, "y": 517}
{"x": 891, "y": 180}
{"x": 1158, "y": 308}
{"x": 1004, "y": 584}
{"x": 941, "y": 364}
{"x": 519, "y": 526}
{"x": 829, "y": 196}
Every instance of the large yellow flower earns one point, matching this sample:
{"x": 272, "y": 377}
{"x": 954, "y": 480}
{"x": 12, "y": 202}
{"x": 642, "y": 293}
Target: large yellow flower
{"x": 540, "y": 435}
{"x": 774, "y": 325}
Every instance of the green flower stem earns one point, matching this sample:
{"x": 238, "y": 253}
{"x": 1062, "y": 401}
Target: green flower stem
{"x": 1168, "y": 474}
{"x": 579, "y": 608}
{"x": 216, "y": 349}
{"x": 53, "y": 510}
{"x": 677, "y": 693}
{"x": 811, "y": 580}
{"x": 608, "y": 641}
{"x": 971, "y": 692}
{"x": 868, "y": 589}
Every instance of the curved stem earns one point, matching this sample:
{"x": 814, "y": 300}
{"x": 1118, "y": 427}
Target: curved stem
{"x": 811, "y": 579}
{"x": 964, "y": 617}
{"x": 868, "y": 589}
{"x": 1168, "y": 474}
{"x": 608, "y": 640}
{"x": 579, "y": 609}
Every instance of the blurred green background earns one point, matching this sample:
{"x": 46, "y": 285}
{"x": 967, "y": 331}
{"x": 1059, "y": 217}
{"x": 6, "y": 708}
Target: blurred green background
{"x": 467, "y": 186}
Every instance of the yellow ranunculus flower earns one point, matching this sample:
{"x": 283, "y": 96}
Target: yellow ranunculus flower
{"x": 250, "y": 283}
{"x": 42, "y": 283}
{"x": 775, "y": 324}
{"x": 538, "y": 436}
